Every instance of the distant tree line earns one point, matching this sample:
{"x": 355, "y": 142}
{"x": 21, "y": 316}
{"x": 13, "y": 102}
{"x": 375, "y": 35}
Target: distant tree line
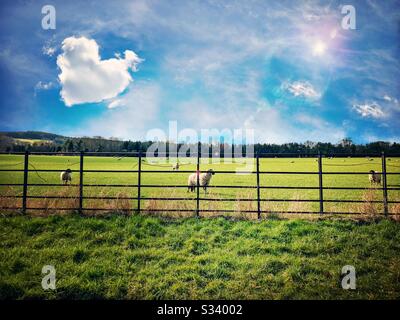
{"x": 56, "y": 143}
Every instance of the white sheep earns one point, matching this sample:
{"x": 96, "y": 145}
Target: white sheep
{"x": 204, "y": 180}
{"x": 175, "y": 167}
{"x": 374, "y": 177}
{"x": 66, "y": 176}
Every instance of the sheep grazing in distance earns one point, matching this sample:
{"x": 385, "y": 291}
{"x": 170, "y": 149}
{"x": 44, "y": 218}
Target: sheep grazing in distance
{"x": 204, "y": 180}
{"x": 175, "y": 167}
{"x": 66, "y": 176}
{"x": 374, "y": 177}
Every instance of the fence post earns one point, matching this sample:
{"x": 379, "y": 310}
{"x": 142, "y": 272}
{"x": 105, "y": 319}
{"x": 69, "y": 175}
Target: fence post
{"x": 81, "y": 182}
{"x": 258, "y": 188}
{"x": 321, "y": 193}
{"x": 25, "y": 187}
{"x": 384, "y": 182}
{"x": 139, "y": 181}
{"x": 198, "y": 181}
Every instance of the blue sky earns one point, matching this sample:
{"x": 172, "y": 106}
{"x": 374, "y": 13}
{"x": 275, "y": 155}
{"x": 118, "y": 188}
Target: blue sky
{"x": 285, "y": 69}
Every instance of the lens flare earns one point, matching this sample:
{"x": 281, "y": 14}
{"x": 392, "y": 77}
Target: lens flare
{"x": 319, "y": 48}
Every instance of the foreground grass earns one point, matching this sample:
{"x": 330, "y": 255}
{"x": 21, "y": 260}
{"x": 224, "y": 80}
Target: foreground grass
{"x": 139, "y": 257}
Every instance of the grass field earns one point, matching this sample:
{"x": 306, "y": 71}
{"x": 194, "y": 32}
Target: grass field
{"x": 129, "y": 256}
{"x": 177, "y": 178}
{"x": 32, "y": 141}
{"x": 139, "y": 257}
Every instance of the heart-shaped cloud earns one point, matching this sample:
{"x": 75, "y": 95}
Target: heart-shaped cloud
{"x": 86, "y": 78}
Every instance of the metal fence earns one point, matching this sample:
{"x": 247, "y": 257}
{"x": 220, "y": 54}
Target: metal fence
{"x": 259, "y": 173}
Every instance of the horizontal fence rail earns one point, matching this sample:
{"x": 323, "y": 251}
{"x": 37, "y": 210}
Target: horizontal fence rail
{"x": 321, "y": 199}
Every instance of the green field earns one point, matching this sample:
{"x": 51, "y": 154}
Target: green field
{"x": 129, "y": 256}
{"x": 178, "y": 178}
{"x": 32, "y": 141}
{"x": 139, "y": 257}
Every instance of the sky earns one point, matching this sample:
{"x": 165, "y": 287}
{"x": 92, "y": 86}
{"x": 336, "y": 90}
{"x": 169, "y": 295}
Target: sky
{"x": 288, "y": 70}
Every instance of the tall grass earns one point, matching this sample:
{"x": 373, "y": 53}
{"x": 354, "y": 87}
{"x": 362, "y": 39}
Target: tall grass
{"x": 141, "y": 257}
{"x": 68, "y": 202}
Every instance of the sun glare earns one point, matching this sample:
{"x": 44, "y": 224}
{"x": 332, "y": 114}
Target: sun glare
{"x": 319, "y": 48}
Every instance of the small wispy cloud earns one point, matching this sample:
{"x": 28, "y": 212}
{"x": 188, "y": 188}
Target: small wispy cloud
{"x": 390, "y": 99}
{"x": 49, "y": 50}
{"x": 44, "y": 85}
{"x": 116, "y": 103}
{"x": 302, "y": 89}
{"x": 372, "y": 110}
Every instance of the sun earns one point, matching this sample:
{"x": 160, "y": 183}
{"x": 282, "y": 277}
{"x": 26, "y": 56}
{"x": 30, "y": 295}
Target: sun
{"x": 319, "y": 48}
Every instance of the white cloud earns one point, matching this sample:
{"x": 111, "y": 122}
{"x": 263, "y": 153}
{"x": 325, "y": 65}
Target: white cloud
{"x": 268, "y": 123}
{"x": 390, "y": 99}
{"x": 116, "y": 103}
{"x": 44, "y": 85}
{"x": 85, "y": 78}
{"x": 302, "y": 89}
{"x": 132, "y": 115}
{"x": 369, "y": 110}
{"x": 313, "y": 121}
{"x": 48, "y": 50}
{"x": 271, "y": 127}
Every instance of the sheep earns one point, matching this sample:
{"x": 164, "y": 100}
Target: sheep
{"x": 175, "y": 167}
{"x": 374, "y": 177}
{"x": 66, "y": 176}
{"x": 204, "y": 180}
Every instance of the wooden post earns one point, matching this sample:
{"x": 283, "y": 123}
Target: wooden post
{"x": 384, "y": 185}
{"x": 25, "y": 187}
{"x": 198, "y": 181}
{"x": 81, "y": 183}
{"x": 258, "y": 188}
{"x": 139, "y": 181}
{"x": 321, "y": 193}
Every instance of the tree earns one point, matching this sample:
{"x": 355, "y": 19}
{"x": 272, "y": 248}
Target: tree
{"x": 68, "y": 146}
{"x": 346, "y": 142}
{"x": 79, "y": 145}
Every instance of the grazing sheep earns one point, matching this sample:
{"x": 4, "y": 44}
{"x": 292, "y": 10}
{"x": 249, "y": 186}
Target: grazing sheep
{"x": 175, "y": 167}
{"x": 66, "y": 176}
{"x": 204, "y": 180}
{"x": 374, "y": 177}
